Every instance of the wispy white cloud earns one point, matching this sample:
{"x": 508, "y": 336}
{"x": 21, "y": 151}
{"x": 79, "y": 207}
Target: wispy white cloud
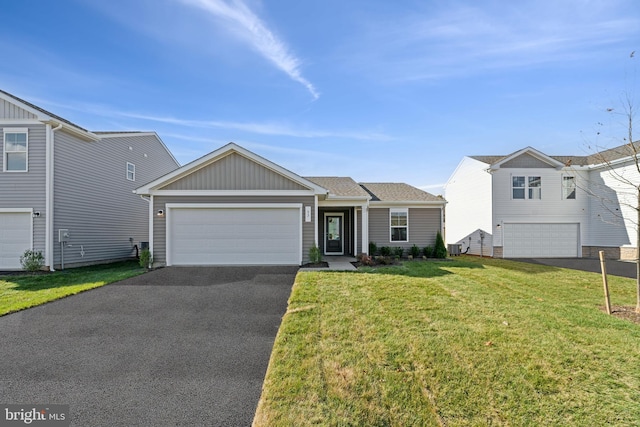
{"x": 464, "y": 39}
{"x": 248, "y": 26}
{"x": 257, "y": 128}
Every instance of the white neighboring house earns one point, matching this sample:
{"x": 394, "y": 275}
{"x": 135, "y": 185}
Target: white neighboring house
{"x": 530, "y": 204}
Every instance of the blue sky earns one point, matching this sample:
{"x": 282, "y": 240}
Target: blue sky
{"x": 377, "y": 90}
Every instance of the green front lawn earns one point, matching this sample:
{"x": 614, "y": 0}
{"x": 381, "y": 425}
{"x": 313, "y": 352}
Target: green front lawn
{"x": 464, "y": 342}
{"x": 18, "y": 292}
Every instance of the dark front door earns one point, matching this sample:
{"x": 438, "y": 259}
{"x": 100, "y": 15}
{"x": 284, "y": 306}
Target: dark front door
{"x": 333, "y": 231}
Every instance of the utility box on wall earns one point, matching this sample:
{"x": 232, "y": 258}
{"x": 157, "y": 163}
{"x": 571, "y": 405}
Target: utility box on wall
{"x": 63, "y": 235}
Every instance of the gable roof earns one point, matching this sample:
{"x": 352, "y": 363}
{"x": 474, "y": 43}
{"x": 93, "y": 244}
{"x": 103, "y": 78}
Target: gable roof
{"x": 398, "y": 192}
{"x": 531, "y": 152}
{"x": 221, "y": 153}
{"x": 46, "y": 116}
{"x": 604, "y": 156}
{"x": 340, "y": 187}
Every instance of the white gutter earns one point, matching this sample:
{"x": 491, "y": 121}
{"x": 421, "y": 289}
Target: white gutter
{"x": 49, "y": 155}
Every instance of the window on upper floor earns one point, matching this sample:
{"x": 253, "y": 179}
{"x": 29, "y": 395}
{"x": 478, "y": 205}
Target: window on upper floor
{"x": 399, "y": 221}
{"x": 526, "y": 187}
{"x": 131, "y": 171}
{"x": 535, "y": 187}
{"x": 568, "y": 187}
{"x": 16, "y": 149}
{"x": 518, "y": 187}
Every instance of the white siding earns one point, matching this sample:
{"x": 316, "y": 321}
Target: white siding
{"x": 468, "y": 194}
{"x": 474, "y": 244}
{"x": 613, "y": 217}
{"x": 551, "y": 208}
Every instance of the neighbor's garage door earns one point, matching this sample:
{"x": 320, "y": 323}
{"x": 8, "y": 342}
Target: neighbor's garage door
{"x": 541, "y": 240}
{"x": 15, "y": 238}
{"x": 234, "y": 235}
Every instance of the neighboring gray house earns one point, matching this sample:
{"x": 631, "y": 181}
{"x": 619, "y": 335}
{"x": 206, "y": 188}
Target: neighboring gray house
{"x": 55, "y": 175}
{"x": 235, "y": 207}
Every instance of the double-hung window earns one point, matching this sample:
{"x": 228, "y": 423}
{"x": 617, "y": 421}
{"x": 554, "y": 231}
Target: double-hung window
{"x": 399, "y": 220}
{"x": 568, "y": 187}
{"x": 131, "y": 171}
{"x": 518, "y": 187}
{"x": 16, "y": 149}
{"x": 535, "y": 187}
{"x": 526, "y": 187}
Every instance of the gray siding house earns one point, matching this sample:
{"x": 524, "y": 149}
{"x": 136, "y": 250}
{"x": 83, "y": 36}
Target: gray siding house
{"x": 55, "y": 175}
{"x": 235, "y": 207}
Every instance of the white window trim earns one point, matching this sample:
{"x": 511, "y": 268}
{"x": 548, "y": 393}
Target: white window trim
{"x": 6, "y": 131}
{"x": 575, "y": 187}
{"x": 526, "y": 187}
{"x": 398, "y": 210}
{"x": 133, "y": 172}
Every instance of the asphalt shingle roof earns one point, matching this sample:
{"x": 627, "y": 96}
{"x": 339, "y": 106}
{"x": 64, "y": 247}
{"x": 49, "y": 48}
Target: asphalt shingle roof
{"x": 397, "y": 192}
{"x": 603, "y": 156}
{"x": 42, "y": 110}
{"x": 339, "y": 185}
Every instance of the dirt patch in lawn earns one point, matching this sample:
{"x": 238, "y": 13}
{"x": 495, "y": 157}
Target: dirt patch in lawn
{"x": 626, "y": 312}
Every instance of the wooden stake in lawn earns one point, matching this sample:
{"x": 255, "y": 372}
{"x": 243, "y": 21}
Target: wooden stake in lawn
{"x": 603, "y": 267}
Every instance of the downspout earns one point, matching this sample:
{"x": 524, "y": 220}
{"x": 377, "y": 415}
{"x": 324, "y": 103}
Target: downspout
{"x": 49, "y": 194}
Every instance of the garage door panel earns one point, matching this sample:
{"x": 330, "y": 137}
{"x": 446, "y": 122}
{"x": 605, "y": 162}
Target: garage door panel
{"x": 15, "y": 238}
{"x": 538, "y": 240}
{"x": 216, "y": 236}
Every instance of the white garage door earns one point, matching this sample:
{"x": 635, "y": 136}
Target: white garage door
{"x": 541, "y": 240}
{"x": 15, "y": 238}
{"x": 234, "y": 235}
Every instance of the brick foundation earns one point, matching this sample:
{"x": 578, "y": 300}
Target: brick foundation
{"x": 625, "y": 254}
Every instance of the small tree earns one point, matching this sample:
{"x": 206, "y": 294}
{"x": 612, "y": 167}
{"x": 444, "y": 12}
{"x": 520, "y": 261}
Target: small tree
{"x": 145, "y": 259}
{"x": 627, "y": 192}
{"x": 440, "y": 250}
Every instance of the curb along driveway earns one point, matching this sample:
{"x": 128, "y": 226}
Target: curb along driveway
{"x": 176, "y": 346}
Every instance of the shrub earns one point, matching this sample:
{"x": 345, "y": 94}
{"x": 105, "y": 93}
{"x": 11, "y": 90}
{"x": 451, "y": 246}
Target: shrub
{"x": 146, "y": 259}
{"x": 385, "y": 251}
{"x": 315, "y": 256}
{"x": 373, "y": 248}
{"x": 365, "y": 259}
{"x": 428, "y": 251}
{"x": 440, "y": 250}
{"x": 385, "y": 260}
{"x": 398, "y": 252}
{"x": 31, "y": 260}
{"x": 414, "y": 251}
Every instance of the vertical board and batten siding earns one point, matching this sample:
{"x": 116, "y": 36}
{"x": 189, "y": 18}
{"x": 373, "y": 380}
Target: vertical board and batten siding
{"x": 551, "y": 208}
{"x": 94, "y": 199}
{"x": 424, "y": 224}
{"x": 234, "y": 172}
{"x": 160, "y": 223}
{"x": 9, "y": 110}
{"x": 612, "y": 204}
{"x": 20, "y": 190}
{"x": 468, "y": 194}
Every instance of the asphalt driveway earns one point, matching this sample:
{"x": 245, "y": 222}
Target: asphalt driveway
{"x": 177, "y": 346}
{"x": 615, "y": 268}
